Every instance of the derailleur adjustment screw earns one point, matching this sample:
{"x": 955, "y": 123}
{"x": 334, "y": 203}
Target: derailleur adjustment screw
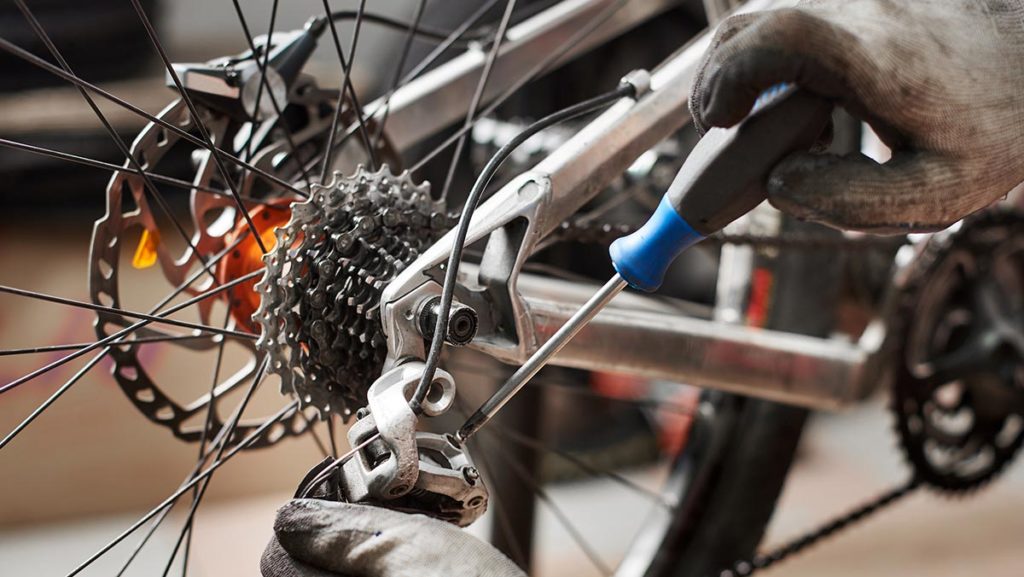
{"x": 462, "y": 322}
{"x": 471, "y": 475}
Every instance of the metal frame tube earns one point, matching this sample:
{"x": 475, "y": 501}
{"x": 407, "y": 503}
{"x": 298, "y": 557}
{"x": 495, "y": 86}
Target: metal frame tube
{"x": 641, "y": 338}
{"x": 440, "y": 97}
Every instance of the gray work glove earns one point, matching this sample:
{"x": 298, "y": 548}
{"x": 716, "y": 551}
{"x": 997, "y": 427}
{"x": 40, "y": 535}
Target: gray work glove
{"x": 316, "y": 538}
{"x": 940, "y": 81}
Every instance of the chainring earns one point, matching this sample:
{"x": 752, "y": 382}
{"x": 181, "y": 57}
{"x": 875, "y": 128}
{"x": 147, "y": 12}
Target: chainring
{"x": 958, "y": 387}
{"x": 320, "y": 296}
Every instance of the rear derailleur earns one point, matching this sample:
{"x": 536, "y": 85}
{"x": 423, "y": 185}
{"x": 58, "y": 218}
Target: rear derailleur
{"x": 402, "y": 468}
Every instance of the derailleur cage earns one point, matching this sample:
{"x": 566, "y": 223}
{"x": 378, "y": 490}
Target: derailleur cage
{"x": 406, "y": 469}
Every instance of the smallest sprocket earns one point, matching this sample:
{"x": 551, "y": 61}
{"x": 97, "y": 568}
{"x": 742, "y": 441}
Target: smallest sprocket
{"x": 958, "y": 389}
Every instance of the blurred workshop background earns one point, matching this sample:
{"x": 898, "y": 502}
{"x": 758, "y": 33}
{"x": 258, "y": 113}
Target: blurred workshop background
{"x": 91, "y": 464}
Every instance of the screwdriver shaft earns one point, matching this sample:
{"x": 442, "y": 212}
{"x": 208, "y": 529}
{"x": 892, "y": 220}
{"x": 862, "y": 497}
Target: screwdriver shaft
{"x": 540, "y": 358}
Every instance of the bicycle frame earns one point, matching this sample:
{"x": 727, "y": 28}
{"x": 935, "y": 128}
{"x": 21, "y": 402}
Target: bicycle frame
{"x": 636, "y": 334}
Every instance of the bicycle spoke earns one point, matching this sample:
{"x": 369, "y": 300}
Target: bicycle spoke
{"x": 52, "y": 398}
{"x": 197, "y": 119}
{"x": 121, "y": 146}
{"x": 130, "y": 314}
{"x": 230, "y": 427}
{"x": 27, "y": 56}
{"x": 537, "y": 446}
{"x": 346, "y": 86}
{"x": 263, "y": 84}
{"x": 76, "y": 346}
{"x": 347, "y": 73}
{"x": 59, "y": 362}
{"x": 448, "y": 42}
{"x": 145, "y": 538}
{"x": 91, "y": 162}
{"x": 166, "y": 511}
{"x": 478, "y": 95}
{"x": 208, "y": 421}
{"x": 557, "y": 511}
{"x": 262, "y": 66}
{"x": 281, "y": 415}
{"x": 406, "y": 46}
{"x": 534, "y": 72}
{"x": 84, "y": 348}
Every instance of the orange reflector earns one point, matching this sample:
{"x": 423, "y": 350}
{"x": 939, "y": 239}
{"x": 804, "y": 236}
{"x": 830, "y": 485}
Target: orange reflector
{"x": 145, "y": 253}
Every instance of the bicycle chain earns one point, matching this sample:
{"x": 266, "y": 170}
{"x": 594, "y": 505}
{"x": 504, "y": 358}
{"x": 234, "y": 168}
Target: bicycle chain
{"x": 763, "y": 561}
{"x": 320, "y": 280}
{"x": 590, "y": 232}
{"x": 977, "y": 234}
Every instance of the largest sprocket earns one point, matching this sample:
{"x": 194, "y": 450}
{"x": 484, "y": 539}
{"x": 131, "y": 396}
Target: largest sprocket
{"x": 319, "y": 310}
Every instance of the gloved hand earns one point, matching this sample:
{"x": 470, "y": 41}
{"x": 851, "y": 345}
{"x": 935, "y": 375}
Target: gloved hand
{"x": 940, "y": 81}
{"x": 316, "y": 538}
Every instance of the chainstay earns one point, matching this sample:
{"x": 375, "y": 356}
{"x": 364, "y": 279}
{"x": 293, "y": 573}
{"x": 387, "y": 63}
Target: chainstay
{"x": 743, "y": 568}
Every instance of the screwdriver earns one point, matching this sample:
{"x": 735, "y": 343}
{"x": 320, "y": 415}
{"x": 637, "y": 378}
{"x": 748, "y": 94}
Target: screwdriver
{"x": 723, "y": 178}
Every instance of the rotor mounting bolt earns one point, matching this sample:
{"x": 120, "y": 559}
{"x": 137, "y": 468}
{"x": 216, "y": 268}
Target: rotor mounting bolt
{"x": 462, "y": 322}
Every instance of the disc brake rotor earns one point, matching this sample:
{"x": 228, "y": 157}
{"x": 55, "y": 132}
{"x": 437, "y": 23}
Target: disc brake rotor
{"x": 215, "y": 223}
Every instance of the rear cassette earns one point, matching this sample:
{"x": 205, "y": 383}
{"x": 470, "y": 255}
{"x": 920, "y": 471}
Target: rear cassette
{"x": 319, "y": 311}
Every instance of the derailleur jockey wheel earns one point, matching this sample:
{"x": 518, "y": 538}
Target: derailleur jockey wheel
{"x": 958, "y": 391}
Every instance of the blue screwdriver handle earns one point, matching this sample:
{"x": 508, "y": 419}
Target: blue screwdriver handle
{"x": 722, "y": 179}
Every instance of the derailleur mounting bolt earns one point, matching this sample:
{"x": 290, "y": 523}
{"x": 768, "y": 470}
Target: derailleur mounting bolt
{"x": 462, "y": 322}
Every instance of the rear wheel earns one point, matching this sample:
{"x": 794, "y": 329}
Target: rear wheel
{"x": 210, "y": 242}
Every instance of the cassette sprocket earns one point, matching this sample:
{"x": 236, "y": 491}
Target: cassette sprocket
{"x": 319, "y": 310}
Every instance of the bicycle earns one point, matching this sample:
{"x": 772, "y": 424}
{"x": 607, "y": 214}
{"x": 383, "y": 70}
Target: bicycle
{"x": 330, "y": 275}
